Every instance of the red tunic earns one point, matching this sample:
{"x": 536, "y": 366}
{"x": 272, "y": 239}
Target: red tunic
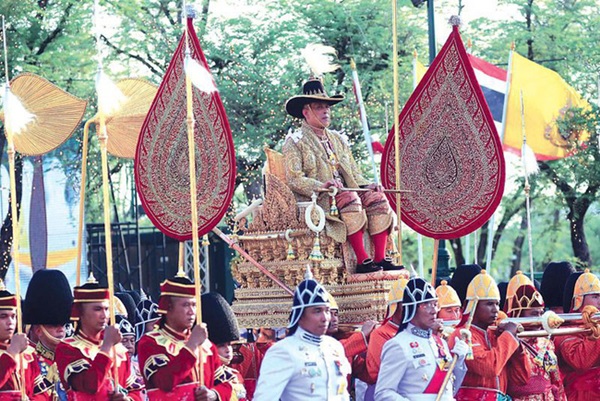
{"x": 86, "y": 373}
{"x": 10, "y": 378}
{"x": 579, "y": 361}
{"x": 493, "y": 356}
{"x": 171, "y": 369}
{"x": 545, "y": 383}
{"x": 377, "y": 340}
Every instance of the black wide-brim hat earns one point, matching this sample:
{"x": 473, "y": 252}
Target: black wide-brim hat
{"x": 312, "y": 91}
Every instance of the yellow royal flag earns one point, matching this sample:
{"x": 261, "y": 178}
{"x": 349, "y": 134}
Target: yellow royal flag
{"x": 419, "y": 71}
{"x": 546, "y": 97}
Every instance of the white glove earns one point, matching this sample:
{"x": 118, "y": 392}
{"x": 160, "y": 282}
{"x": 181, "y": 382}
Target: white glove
{"x": 461, "y": 349}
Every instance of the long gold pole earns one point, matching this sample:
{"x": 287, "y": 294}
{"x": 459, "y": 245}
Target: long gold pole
{"x": 84, "y": 154}
{"x": 10, "y": 150}
{"x": 193, "y": 195}
{"x": 397, "y": 129}
{"x": 15, "y": 243}
{"x": 103, "y": 139}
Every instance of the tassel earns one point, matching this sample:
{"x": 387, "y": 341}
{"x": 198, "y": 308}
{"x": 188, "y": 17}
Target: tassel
{"x": 333, "y": 210}
{"x": 316, "y": 255}
{"x": 291, "y": 255}
{"x": 205, "y": 241}
{"x": 110, "y": 97}
{"x": 200, "y": 76}
{"x": 16, "y": 115}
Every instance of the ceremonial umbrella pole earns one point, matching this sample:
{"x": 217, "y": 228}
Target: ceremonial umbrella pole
{"x": 38, "y": 117}
{"x": 10, "y": 150}
{"x": 103, "y": 89}
{"x": 193, "y": 183}
{"x": 398, "y": 260}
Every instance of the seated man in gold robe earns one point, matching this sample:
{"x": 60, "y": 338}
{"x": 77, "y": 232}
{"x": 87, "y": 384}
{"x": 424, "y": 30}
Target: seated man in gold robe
{"x": 318, "y": 158}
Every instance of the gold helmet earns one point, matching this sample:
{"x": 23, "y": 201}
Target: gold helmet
{"x": 447, "y": 296}
{"x": 332, "y": 303}
{"x": 515, "y": 282}
{"x": 395, "y": 295}
{"x": 586, "y": 284}
{"x": 482, "y": 287}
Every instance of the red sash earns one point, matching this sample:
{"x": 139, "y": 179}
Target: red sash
{"x": 437, "y": 380}
{"x": 183, "y": 392}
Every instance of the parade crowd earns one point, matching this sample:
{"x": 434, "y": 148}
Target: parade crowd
{"x": 478, "y": 354}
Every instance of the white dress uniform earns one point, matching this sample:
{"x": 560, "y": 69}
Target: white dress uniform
{"x": 304, "y": 367}
{"x": 408, "y": 363}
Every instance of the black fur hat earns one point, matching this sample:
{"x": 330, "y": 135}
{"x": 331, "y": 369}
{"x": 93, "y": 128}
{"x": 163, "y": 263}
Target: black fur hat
{"x": 502, "y": 287}
{"x": 48, "y": 299}
{"x": 569, "y": 290}
{"x": 462, "y": 277}
{"x": 219, "y": 318}
{"x": 553, "y": 282}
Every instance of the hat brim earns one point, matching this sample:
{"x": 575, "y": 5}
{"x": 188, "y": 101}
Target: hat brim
{"x": 295, "y": 104}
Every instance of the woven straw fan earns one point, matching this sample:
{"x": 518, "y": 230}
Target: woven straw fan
{"x": 57, "y": 114}
{"x": 123, "y": 126}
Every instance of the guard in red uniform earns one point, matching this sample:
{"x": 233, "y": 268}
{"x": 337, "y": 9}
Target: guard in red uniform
{"x": 47, "y": 308}
{"x": 545, "y": 383}
{"x": 14, "y": 349}
{"x": 494, "y": 352}
{"x": 169, "y": 356}
{"x": 579, "y": 354}
{"x": 85, "y": 361}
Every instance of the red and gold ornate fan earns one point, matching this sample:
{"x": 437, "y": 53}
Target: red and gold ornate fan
{"x": 452, "y": 163}
{"x": 161, "y": 163}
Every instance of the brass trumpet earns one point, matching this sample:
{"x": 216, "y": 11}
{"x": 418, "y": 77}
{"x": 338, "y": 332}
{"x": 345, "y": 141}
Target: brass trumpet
{"x": 550, "y": 322}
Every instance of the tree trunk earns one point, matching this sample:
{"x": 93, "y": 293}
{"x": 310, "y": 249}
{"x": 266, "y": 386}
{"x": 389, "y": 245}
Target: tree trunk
{"x": 482, "y": 245}
{"x": 576, "y": 216}
{"x": 459, "y": 256}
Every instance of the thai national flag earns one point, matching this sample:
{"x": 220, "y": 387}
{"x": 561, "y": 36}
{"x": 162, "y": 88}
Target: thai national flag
{"x": 492, "y": 80}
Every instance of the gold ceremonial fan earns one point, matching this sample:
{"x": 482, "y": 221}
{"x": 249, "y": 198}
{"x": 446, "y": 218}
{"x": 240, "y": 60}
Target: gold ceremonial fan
{"x": 56, "y": 114}
{"x": 124, "y": 124}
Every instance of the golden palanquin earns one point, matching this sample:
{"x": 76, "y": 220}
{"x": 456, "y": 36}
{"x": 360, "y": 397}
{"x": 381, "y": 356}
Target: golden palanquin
{"x": 259, "y": 301}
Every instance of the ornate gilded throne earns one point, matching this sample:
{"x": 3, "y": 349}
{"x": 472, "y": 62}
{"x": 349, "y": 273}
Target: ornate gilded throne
{"x": 274, "y": 233}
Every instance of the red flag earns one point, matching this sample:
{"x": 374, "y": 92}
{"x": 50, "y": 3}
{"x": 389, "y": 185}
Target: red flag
{"x": 451, "y": 155}
{"x": 161, "y": 162}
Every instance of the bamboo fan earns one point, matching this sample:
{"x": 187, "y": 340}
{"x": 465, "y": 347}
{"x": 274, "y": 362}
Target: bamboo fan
{"x": 124, "y": 125}
{"x": 57, "y": 114}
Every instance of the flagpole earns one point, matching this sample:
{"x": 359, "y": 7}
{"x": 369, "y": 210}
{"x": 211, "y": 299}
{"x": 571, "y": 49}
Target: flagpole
{"x": 492, "y": 221}
{"x": 396, "y": 114}
{"x": 363, "y": 120}
{"x": 419, "y": 236}
{"x": 527, "y": 187}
